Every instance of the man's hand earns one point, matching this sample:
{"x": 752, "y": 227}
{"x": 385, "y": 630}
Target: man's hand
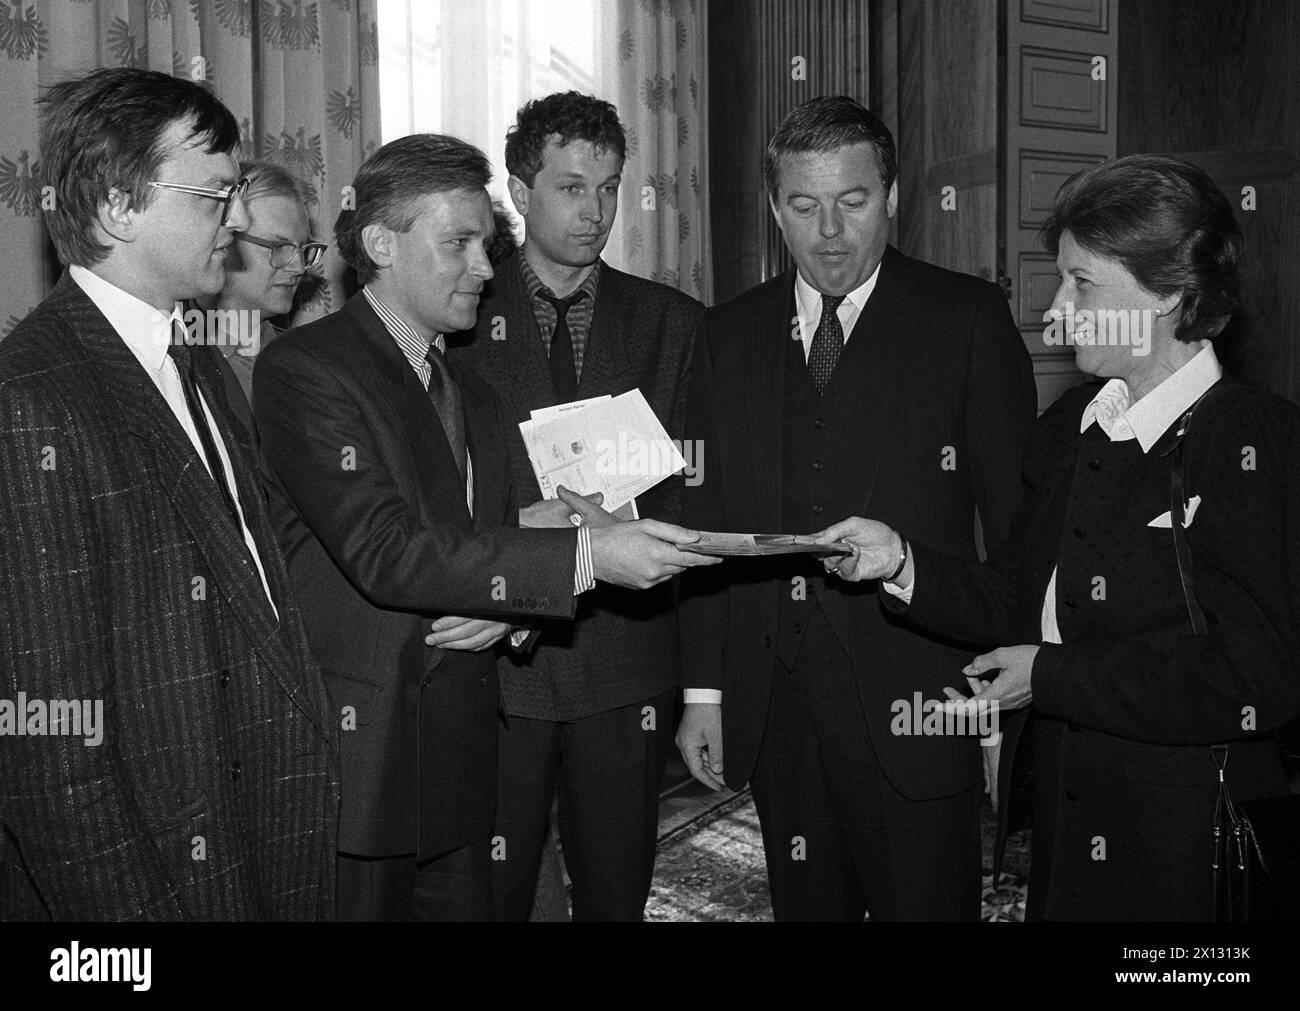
{"x": 643, "y": 553}
{"x": 469, "y": 635}
{"x": 699, "y": 739}
{"x": 557, "y": 512}
{"x": 875, "y": 548}
{"x": 1011, "y": 688}
{"x": 587, "y": 508}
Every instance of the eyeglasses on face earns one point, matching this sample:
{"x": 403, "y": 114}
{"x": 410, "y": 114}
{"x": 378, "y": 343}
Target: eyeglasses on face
{"x": 227, "y": 196}
{"x": 283, "y": 253}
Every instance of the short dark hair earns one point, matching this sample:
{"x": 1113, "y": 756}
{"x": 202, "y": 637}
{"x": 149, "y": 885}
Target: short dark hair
{"x": 1169, "y": 225}
{"x": 568, "y": 116}
{"x": 828, "y": 123}
{"x": 104, "y": 131}
{"x": 391, "y": 180}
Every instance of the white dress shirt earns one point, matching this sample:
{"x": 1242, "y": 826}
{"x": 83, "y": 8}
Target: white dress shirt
{"x": 148, "y": 333}
{"x": 808, "y": 307}
{"x": 1114, "y": 411}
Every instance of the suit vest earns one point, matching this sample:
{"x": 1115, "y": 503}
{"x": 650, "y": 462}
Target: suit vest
{"x": 822, "y": 479}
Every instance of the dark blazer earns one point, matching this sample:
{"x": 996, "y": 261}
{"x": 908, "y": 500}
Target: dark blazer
{"x": 1128, "y": 706}
{"x": 623, "y": 647}
{"x": 121, "y": 579}
{"x": 946, "y": 368}
{"x": 370, "y": 512}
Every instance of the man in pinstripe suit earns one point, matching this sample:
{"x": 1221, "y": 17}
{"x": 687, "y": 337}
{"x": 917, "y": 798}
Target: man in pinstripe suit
{"x": 138, "y": 567}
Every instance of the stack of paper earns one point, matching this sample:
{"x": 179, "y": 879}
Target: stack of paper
{"x": 612, "y": 445}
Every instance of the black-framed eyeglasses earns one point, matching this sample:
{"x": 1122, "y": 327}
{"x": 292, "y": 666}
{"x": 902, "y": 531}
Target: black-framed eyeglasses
{"x": 227, "y": 196}
{"x": 283, "y": 253}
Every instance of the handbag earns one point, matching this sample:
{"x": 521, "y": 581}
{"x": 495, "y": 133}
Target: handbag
{"x": 1256, "y": 865}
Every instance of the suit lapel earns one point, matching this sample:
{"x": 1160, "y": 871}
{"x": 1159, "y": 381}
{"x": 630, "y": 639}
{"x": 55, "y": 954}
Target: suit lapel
{"x": 883, "y": 340}
{"x": 605, "y": 339}
{"x": 170, "y": 456}
{"x": 765, "y": 376}
{"x": 413, "y": 414}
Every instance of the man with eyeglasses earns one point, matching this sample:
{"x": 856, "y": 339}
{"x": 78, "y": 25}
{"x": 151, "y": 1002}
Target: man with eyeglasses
{"x": 166, "y": 753}
{"x": 264, "y": 271}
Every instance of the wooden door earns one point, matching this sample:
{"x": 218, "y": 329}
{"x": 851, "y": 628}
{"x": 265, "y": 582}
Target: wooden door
{"x": 1059, "y": 101}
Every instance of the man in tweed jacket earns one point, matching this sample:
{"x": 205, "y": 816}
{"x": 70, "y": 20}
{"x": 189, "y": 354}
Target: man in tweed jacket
{"x": 138, "y": 568}
{"x": 592, "y": 706}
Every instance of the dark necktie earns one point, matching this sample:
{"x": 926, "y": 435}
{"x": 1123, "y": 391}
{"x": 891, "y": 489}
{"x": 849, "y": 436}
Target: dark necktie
{"x": 184, "y": 358}
{"x": 827, "y": 343}
{"x": 447, "y": 401}
{"x": 564, "y": 374}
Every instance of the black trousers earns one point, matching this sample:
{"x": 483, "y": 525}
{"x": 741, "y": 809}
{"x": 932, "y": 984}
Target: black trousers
{"x": 840, "y": 841}
{"x": 453, "y": 888}
{"x": 609, "y": 768}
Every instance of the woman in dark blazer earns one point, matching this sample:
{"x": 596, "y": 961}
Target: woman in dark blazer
{"x": 1129, "y": 698}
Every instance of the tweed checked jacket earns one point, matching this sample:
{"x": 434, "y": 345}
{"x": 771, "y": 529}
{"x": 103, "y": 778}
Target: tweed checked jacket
{"x": 622, "y": 647}
{"x": 213, "y": 794}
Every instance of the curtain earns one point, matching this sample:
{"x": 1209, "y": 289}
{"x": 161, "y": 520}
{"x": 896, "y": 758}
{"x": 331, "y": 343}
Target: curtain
{"x": 464, "y": 67}
{"x": 301, "y": 79}
{"x": 655, "y": 53}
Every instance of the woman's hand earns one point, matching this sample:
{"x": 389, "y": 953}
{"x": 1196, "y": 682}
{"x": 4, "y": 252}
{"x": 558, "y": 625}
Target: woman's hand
{"x": 1010, "y": 689}
{"x": 872, "y": 548}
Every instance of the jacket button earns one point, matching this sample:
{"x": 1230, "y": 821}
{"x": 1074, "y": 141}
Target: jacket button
{"x": 798, "y": 628}
{"x": 1071, "y": 795}
{"x": 1071, "y": 602}
{"x": 818, "y": 465}
{"x": 818, "y": 509}
{"x": 235, "y": 770}
{"x": 223, "y": 678}
{"x": 1072, "y": 727}
{"x": 767, "y": 642}
{"x": 819, "y": 423}
{"x": 1094, "y": 465}
{"x": 1080, "y": 532}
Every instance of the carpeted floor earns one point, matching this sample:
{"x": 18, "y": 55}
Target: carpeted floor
{"x": 710, "y": 868}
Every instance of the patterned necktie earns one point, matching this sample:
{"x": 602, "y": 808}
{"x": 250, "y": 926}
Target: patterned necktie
{"x": 447, "y": 401}
{"x": 827, "y": 343}
{"x": 564, "y": 374}
{"x": 184, "y": 359}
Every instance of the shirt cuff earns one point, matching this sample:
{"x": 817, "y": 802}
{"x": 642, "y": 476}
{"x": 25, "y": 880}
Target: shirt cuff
{"x": 711, "y": 696}
{"x": 897, "y": 591}
{"x": 520, "y": 637}
{"x": 584, "y": 572}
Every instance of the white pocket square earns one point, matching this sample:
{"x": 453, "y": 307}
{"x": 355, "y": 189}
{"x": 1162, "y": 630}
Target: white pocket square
{"x": 1167, "y": 521}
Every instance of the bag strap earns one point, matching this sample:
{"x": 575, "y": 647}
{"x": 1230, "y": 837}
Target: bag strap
{"x": 1183, "y": 553}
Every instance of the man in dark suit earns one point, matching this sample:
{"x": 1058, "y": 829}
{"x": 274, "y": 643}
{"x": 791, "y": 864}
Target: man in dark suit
{"x": 860, "y": 376}
{"x": 388, "y": 473}
{"x": 592, "y": 706}
{"x": 139, "y": 575}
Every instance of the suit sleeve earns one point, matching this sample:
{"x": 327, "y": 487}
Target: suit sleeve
{"x": 1186, "y": 689}
{"x": 72, "y": 807}
{"x": 703, "y": 608}
{"x": 307, "y": 421}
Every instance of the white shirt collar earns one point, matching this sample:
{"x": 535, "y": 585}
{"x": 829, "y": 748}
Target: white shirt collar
{"x": 808, "y": 300}
{"x": 147, "y": 331}
{"x": 1121, "y": 419}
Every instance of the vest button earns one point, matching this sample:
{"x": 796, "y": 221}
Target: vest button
{"x": 798, "y": 628}
{"x": 1080, "y": 532}
{"x": 1071, "y": 602}
{"x": 235, "y": 770}
{"x": 1094, "y": 465}
{"x": 1071, "y": 795}
{"x": 767, "y": 642}
{"x": 819, "y": 423}
{"x": 818, "y": 465}
{"x": 818, "y": 509}
{"x": 223, "y": 678}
